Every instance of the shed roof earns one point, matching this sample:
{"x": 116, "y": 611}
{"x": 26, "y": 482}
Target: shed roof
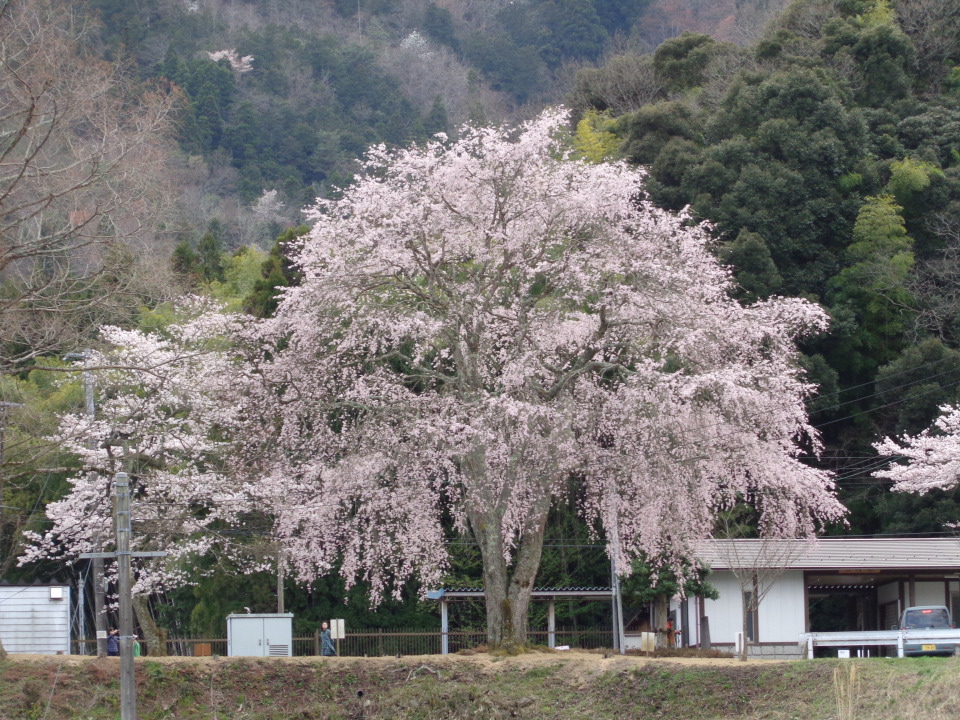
{"x": 541, "y": 592}
{"x": 834, "y": 553}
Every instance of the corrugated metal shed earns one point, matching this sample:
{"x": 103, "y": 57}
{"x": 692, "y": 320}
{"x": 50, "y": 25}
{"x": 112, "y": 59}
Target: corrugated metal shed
{"x": 35, "y": 618}
{"x": 835, "y": 553}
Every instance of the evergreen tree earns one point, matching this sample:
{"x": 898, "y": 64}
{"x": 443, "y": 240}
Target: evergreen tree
{"x": 210, "y": 254}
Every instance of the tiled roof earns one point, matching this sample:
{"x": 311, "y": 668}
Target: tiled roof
{"x": 834, "y": 553}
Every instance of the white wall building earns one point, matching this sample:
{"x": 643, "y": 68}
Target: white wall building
{"x": 35, "y": 619}
{"x": 866, "y": 582}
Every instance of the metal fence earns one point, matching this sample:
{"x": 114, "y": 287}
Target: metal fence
{"x": 388, "y": 642}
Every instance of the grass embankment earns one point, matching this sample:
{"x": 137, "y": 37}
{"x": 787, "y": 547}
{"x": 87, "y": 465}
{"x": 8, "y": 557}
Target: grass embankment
{"x": 573, "y": 685}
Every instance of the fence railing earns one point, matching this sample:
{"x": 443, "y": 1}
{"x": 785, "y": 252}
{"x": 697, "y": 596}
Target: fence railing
{"x": 387, "y": 642}
{"x": 921, "y": 640}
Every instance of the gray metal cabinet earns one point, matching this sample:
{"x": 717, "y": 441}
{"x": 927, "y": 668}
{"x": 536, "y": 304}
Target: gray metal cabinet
{"x": 260, "y": 635}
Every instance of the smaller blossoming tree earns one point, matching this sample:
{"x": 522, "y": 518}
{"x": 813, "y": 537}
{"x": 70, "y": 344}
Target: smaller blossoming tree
{"x": 932, "y": 458}
{"x": 239, "y": 65}
{"x": 163, "y": 416}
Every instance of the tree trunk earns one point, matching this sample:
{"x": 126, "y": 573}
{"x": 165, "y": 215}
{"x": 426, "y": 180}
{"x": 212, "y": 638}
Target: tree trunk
{"x": 508, "y": 587}
{"x": 155, "y": 636}
{"x": 743, "y": 645}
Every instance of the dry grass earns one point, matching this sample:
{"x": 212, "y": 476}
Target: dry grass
{"x": 846, "y": 687}
{"x": 537, "y": 685}
{"x": 927, "y": 688}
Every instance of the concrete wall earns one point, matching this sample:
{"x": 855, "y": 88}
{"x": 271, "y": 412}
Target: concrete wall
{"x": 31, "y": 621}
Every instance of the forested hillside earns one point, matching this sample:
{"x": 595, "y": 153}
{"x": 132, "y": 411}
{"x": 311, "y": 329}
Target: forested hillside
{"x": 168, "y": 144}
{"x": 826, "y": 156}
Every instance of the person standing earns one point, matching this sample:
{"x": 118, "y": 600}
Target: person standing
{"x": 327, "y": 647}
{"x": 113, "y": 643}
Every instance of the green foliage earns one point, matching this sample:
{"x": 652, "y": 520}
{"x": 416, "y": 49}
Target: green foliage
{"x": 241, "y": 273}
{"x": 288, "y": 143}
{"x": 619, "y": 15}
{"x": 276, "y": 272}
{"x": 575, "y": 30}
{"x": 436, "y": 120}
{"x": 880, "y": 53}
{"x": 649, "y": 129}
{"x": 931, "y": 131}
{"x": 680, "y": 62}
{"x": 508, "y": 67}
{"x": 33, "y": 469}
{"x": 825, "y": 403}
{"x": 754, "y": 269}
{"x": 769, "y": 165}
{"x": 952, "y": 82}
{"x": 594, "y": 139}
{"x": 209, "y": 254}
{"x": 438, "y": 25}
{"x": 880, "y": 233}
{"x": 915, "y": 385}
{"x": 185, "y": 260}
{"x": 873, "y": 287}
{"x": 210, "y": 89}
{"x": 647, "y": 582}
{"x": 200, "y": 263}
{"x": 909, "y": 177}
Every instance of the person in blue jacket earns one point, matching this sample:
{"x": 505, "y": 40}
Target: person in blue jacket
{"x": 326, "y": 641}
{"x": 113, "y": 642}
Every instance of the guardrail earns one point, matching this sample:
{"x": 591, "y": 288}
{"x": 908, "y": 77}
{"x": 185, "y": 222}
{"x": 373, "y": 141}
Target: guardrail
{"x": 889, "y": 638}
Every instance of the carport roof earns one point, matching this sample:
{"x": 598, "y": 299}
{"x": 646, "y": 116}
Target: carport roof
{"x": 835, "y": 553}
{"x": 540, "y": 592}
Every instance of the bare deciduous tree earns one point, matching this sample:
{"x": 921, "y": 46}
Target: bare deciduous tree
{"x": 756, "y": 563}
{"x": 625, "y": 84}
{"x": 81, "y": 147}
{"x": 936, "y": 281}
{"x": 934, "y": 28}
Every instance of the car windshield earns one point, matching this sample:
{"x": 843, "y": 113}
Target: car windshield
{"x": 926, "y": 618}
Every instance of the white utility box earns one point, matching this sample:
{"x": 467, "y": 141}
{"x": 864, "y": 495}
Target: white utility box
{"x": 260, "y": 635}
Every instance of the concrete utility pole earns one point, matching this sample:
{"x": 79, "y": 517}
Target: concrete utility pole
{"x": 99, "y": 591}
{"x": 619, "y": 641}
{"x": 280, "y": 579}
{"x": 128, "y": 686}
{"x": 128, "y": 682}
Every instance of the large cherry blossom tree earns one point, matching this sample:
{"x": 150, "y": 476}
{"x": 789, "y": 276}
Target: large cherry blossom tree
{"x": 483, "y": 321}
{"x": 932, "y": 458}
